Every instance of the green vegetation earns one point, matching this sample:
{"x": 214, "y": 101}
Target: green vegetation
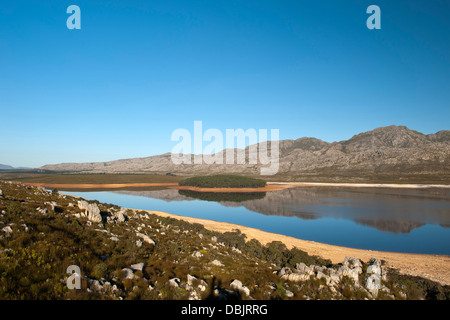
{"x": 94, "y": 178}
{"x": 34, "y": 257}
{"x": 223, "y": 181}
{"x": 223, "y": 196}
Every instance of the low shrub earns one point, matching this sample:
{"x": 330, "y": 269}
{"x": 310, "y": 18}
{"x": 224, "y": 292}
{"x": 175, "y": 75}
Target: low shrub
{"x": 223, "y": 181}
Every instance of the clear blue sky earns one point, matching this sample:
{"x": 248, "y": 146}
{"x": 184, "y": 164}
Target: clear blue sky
{"x": 137, "y": 70}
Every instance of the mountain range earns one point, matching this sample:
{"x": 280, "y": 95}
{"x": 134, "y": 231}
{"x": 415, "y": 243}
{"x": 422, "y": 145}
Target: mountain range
{"x": 7, "y": 167}
{"x": 380, "y": 154}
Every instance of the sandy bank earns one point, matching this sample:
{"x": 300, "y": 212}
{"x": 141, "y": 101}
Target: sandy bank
{"x": 360, "y": 185}
{"x": 433, "y": 267}
{"x": 99, "y": 186}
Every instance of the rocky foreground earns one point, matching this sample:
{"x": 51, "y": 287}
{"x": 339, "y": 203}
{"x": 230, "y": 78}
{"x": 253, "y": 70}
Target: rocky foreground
{"x": 132, "y": 254}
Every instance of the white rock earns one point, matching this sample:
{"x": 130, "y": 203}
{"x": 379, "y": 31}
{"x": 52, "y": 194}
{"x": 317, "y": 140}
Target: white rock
{"x": 202, "y": 286}
{"x": 92, "y": 211}
{"x": 374, "y": 261}
{"x": 373, "y": 284}
{"x": 43, "y": 211}
{"x": 121, "y": 215}
{"x": 190, "y": 280}
{"x": 296, "y": 277}
{"x": 174, "y": 282}
{"x": 217, "y": 263}
{"x": 374, "y": 269}
{"x": 7, "y": 230}
{"x": 128, "y": 273}
{"x": 321, "y": 275}
{"x": 52, "y": 205}
{"x": 138, "y": 266}
{"x": 289, "y": 294}
{"x": 351, "y": 273}
{"x": 95, "y": 285}
{"x": 237, "y": 285}
{"x": 145, "y": 238}
{"x": 352, "y": 263}
{"x": 304, "y": 269}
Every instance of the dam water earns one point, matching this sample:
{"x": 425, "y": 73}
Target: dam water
{"x": 386, "y": 219}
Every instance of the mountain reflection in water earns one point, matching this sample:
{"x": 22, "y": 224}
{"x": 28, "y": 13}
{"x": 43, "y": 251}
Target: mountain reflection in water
{"x": 391, "y": 210}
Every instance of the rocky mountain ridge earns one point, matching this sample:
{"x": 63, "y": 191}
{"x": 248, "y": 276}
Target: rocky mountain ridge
{"x": 392, "y": 150}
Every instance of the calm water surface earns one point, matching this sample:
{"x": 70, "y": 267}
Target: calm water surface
{"x": 400, "y": 220}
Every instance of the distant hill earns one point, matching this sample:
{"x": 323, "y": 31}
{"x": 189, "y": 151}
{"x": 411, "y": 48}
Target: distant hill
{"x": 382, "y": 154}
{"x": 7, "y": 167}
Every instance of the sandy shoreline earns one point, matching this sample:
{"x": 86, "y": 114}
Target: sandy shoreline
{"x": 433, "y": 267}
{"x": 360, "y": 185}
{"x": 98, "y": 186}
{"x": 271, "y": 186}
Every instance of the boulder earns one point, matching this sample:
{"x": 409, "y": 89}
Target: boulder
{"x": 334, "y": 278}
{"x": 7, "y": 230}
{"x": 190, "y": 280}
{"x": 120, "y": 216}
{"x": 284, "y": 271}
{"x": 92, "y": 212}
{"x": 296, "y": 277}
{"x": 217, "y": 263}
{"x": 351, "y": 273}
{"x": 374, "y": 261}
{"x": 43, "y": 211}
{"x": 138, "y": 266}
{"x": 128, "y": 273}
{"x": 237, "y": 285}
{"x": 146, "y": 238}
{"x": 95, "y": 285}
{"x": 174, "y": 282}
{"x": 52, "y": 205}
{"x": 289, "y": 294}
{"x": 352, "y": 263}
{"x": 373, "y": 284}
{"x": 304, "y": 269}
{"x": 321, "y": 275}
{"x": 374, "y": 269}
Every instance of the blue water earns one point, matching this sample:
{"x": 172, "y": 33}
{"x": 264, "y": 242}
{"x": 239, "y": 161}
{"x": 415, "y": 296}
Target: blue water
{"x": 398, "y": 221}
